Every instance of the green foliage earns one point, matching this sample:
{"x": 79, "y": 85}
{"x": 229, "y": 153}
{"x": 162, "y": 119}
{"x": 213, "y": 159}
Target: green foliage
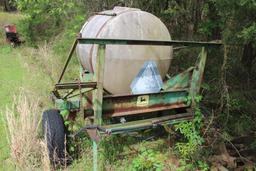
{"x": 181, "y": 17}
{"x": 11, "y": 77}
{"x": 236, "y": 116}
{"x": 64, "y": 40}
{"x": 188, "y": 129}
{"x": 211, "y": 23}
{"x": 235, "y": 104}
{"x": 113, "y": 146}
{"x": 202, "y": 165}
{"x": 248, "y": 33}
{"x": 149, "y": 159}
{"x": 239, "y": 124}
{"x": 185, "y": 165}
{"x": 191, "y": 132}
{"x": 6, "y": 50}
{"x": 64, "y": 114}
{"x": 45, "y": 18}
{"x": 238, "y": 18}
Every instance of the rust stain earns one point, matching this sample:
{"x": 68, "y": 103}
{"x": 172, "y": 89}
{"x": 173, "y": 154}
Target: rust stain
{"x": 124, "y": 111}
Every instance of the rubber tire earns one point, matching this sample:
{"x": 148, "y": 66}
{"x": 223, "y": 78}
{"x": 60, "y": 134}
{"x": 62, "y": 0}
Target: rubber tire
{"x": 54, "y": 133}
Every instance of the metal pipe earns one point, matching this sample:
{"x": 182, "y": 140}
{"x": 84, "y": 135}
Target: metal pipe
{"x": 68, "y": 60}
{"x": 146, "y": 42}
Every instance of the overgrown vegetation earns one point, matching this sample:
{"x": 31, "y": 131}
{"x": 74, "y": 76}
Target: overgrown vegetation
{"x": 44, "y": 19}
{"x": 22, "y": 119}
{"x": 227, "y": 109}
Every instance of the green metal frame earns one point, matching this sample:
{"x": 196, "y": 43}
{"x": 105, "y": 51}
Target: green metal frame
{"x": 175, "y": 93}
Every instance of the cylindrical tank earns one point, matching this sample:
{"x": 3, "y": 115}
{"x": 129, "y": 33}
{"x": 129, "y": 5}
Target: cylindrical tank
{"x": 123, "y": 62}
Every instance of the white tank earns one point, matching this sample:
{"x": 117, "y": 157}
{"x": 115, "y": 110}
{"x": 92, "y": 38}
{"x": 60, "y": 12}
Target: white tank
{"x": 123, "y": 62}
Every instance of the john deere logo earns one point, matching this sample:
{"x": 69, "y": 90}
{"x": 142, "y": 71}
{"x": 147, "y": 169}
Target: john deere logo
{"x": 143, "y": 101}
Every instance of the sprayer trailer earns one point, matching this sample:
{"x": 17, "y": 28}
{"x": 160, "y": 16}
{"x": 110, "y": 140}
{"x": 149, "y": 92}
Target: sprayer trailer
{"x": 124, "y": 56}
{"x": 104, "y": 113}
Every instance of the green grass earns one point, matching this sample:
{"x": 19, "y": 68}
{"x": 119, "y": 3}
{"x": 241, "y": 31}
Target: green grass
{"x": 9, "y": 18}
{"x": 20, "y": 69}
{"x": 11, "y": 76}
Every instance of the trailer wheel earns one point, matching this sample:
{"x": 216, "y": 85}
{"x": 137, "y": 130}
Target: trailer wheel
{"x": 54, "y": 133}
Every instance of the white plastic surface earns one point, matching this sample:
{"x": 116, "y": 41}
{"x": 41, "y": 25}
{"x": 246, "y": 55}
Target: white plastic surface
{"x": 148, "y": 80}
{"x": 123, "y": 62}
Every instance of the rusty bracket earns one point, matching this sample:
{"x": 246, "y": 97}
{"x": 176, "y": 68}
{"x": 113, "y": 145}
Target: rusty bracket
{"x": 92, "y": 131}
{"x": 93, "y": 134}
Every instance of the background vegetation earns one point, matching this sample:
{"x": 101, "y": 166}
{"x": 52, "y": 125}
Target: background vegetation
{"x": 226, "y": 111}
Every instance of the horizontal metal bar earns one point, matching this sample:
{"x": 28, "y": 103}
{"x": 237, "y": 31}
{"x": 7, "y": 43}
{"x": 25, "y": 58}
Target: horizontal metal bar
{"x": 135, "y": 129}
{"x": 146, "y": 42}
{"x": 146, "y": 123}
{"x": 136, "y": 95}
{"x": 75, "y": 85}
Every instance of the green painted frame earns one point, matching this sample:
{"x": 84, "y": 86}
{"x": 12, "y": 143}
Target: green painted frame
{"x": 176, "y": 90}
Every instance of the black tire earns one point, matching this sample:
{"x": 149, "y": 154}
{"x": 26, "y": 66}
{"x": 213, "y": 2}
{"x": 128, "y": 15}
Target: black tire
{"x": 54, "y": 133}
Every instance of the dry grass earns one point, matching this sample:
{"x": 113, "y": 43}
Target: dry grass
{"x": 27, "y": 150}
{"x": 42, "y": 60}
{"x": 45, "y": 162}
{"x": 49, "y": 61}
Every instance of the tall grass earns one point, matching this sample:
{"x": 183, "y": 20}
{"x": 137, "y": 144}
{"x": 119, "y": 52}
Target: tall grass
{"x": 50, "y": 63}
{"x": 42, "y": 60}
{"x": 22, "y": 119}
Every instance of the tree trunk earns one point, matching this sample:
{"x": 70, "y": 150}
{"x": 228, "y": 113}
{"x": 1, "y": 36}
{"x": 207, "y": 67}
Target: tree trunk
{"x": 7, "y": 6}
{"x": 248, "y": 57}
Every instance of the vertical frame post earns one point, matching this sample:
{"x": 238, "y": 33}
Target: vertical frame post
{"x": 197, "y": 75}
{"x": 98, "y": 98}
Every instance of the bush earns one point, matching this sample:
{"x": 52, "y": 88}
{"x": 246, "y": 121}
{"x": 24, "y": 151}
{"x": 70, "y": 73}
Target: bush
{"x": 44, "y": 18}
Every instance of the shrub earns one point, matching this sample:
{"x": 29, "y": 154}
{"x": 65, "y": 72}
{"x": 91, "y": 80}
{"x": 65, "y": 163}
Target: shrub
{"x": 44, "y": 18}
{"x": 189, "y": 150}
{"x": 149, "y": 159}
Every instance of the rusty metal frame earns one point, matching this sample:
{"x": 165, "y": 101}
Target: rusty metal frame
{"x": 124, "y": 104}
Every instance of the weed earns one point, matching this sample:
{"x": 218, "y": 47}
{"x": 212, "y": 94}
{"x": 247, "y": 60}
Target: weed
{"x": 202, "y": 165}
{"x": 184, "y": 165}
{"x": 191, "y": 131}
{"x": 22, "y": 126}
{"x": 149, "y": 159}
